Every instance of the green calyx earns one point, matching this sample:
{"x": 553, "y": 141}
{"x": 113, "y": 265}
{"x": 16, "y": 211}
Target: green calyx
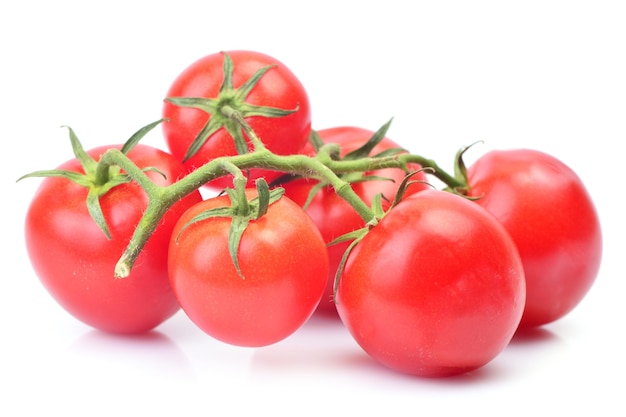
{"x": 99, "y": 179}
{"x": 241, "y": 211}
{"x": 460, "y": 174}
{"x": 228, "y": 100}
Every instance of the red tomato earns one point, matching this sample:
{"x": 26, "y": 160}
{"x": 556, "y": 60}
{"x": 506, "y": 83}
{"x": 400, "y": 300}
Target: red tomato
{"x": 333, "y": 215}
{"x": 284, "y": 263}
{"x": 549, "y": 214}
{"x": 75, "y": 261}
{"x": 278, "y": 88}
{"x": 435, "y": 289}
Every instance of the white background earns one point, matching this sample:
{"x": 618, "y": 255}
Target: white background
{"x": 544, "y": 74}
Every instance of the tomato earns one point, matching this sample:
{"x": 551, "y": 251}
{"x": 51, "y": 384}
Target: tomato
{"x": 283, "y": 262}
{"x": 550, "y": 215}
{"x": 278, "y": 88}
{"x": 333, "y": 215}
{"x": 75, "y": 261}
{"x": 435, "y": 289}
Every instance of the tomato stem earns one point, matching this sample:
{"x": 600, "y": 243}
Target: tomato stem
{"x": 395, "y": 161}
{"x": 321, "y": 167}
{"x": 237, "y": 117}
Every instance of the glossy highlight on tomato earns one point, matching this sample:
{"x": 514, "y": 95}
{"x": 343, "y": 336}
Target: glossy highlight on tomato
{"x": 550, "y": 215}
{"x": 435, "y": 289}
{"x": 75, "y": 261}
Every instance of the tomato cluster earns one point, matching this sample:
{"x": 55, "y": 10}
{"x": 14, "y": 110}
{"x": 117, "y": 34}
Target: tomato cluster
{"x": 430, "y": 282}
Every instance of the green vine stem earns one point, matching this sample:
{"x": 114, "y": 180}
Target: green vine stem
{"x": 321, "y": 167}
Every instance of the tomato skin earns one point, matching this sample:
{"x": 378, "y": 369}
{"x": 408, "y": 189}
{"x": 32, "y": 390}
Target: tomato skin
{"x": 284, "y": 264}
{"x": 279, "y": 88}
{"x": 435, "y": 289}
{"x": 331, "y": 213}
{"x": 550, "y": 215}
{"x": 75, "y": 261}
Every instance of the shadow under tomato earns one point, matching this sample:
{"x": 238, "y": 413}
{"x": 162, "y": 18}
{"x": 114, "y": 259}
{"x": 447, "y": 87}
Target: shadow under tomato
{"x": 532, "y": 351}
{"x": 534, "y": 335}
{"x": 315, "y": 344}
{"x": 150, "y": 355}
{"x": 323, "y": 350}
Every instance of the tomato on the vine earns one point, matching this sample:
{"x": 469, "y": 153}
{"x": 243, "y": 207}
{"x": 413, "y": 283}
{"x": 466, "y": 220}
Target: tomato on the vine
{"x": 75, "y": 260}
{"x": 276, "y": 107}
{"x": 550, "y": 215}
{"x": 283, "y": 267}
{"x": 436, "y": 288}
{"x": 333, "y": 215}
